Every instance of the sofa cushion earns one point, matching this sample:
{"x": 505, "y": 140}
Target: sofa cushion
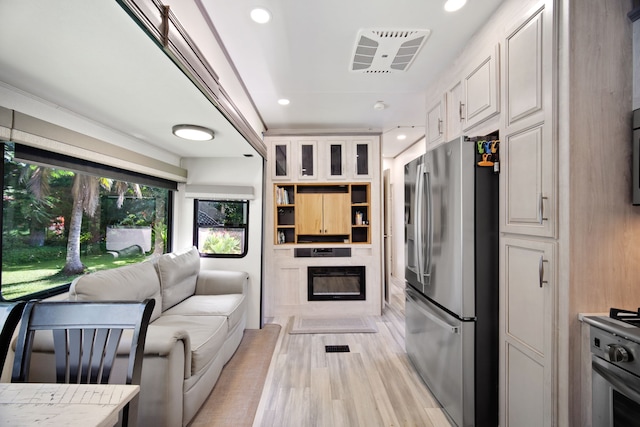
{"x": 229, "y": 305}
{"x": 178, "y": 273}
{"x": 135, "y": 282}
{"x": 206, "y": 336}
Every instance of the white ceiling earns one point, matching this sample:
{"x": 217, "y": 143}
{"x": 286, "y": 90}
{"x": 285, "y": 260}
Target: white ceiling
{"x": 90, "y": 58}
{"x": 305, "y": 52}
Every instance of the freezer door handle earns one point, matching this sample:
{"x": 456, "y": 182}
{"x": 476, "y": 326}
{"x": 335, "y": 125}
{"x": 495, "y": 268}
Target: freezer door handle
{"x": 430, "y": 316}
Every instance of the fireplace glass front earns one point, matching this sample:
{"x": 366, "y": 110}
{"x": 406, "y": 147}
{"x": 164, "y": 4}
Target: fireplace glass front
{"x": 336, "y": 283}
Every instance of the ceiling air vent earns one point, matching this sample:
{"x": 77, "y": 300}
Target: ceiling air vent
{"x": 385, "y": 51}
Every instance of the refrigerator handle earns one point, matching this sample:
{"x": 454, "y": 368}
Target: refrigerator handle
{"x": 430, "y": 316}
{"x": 417, "y": 223}
{"x": 426, "y": 271}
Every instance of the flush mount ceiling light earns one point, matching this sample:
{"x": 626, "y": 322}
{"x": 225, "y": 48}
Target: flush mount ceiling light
{"x": 260, "y": 15}
{"x": 283, "y": 101}
{"x": 453, "y": 5}
{"x": 401, "y": 137}
{"x": 193, "y": 132}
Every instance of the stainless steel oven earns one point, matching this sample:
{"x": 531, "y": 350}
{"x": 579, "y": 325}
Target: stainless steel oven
{"x": 615, "y": 363}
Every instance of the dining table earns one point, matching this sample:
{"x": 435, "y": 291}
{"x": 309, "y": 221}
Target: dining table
{"x": 30, "y": 404}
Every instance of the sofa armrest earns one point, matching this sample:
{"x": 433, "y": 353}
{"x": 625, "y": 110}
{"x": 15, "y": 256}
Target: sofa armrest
{"x": 219, "y": 282}
{"x": 161, "y": 339}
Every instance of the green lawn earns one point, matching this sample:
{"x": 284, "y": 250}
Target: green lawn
{"x": 25, "y": 279}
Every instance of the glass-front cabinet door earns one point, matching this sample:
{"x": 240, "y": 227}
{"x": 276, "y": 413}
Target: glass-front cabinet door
{"x": 308, "y": 159}
{"x": 362, "y": 158}
{"x": 281, "y": 155}
{"x": 335, "y": 157}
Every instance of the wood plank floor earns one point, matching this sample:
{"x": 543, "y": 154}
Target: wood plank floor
{"x": 372, "y": 385}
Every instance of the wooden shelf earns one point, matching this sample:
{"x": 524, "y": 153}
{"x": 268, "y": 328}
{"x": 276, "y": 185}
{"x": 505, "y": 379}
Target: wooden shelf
{"x": 322, "y": 213}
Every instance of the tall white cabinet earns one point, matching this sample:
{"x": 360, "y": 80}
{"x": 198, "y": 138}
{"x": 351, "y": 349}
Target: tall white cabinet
{"x": 529, "y": 223}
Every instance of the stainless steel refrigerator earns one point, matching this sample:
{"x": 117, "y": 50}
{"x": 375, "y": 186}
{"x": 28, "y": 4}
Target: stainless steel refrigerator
{"x": 451, "y": 273}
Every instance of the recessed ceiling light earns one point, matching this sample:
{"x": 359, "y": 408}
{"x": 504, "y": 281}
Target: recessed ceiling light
{"x": 284, "y": 101}
{"x": 193, "y": 132}
{"x": 379, "y": 105}
{"x": 260, "y": 15}
{"x": 453, "y": 5}
{"x": 401, "y": 137}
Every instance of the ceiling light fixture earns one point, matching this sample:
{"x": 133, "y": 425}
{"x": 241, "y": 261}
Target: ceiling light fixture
{"x": 260, "y": 15}
{"x": 379, "y": 106}
{"x": 453, "y": 5}
{"x": 284, "y": 101}
{"x": 401, "y": 137}
{"x": 193, "y": 132}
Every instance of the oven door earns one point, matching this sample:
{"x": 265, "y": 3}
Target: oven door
{"x": 616, "y": 395}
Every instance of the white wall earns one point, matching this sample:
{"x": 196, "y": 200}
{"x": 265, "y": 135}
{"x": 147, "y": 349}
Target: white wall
{"x": 232, "y": 172}
{"x": 396, "y": 165}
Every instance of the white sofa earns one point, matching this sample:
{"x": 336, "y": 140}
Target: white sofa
{"x": 196, "y": 326}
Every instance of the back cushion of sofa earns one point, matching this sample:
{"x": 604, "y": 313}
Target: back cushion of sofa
{"x": 135, "y": 282}
{"x": 178, "y": 273}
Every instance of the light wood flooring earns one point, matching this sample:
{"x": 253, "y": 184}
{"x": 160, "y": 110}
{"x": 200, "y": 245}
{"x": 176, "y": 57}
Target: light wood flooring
{"x": 372, "y": 385}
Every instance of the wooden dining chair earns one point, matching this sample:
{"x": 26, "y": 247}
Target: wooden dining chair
{"x": 86, "y": 337}
{"x": 10, "y": 313}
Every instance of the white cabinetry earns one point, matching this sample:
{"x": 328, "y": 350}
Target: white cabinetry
{"x": 528, "y": 316}
{"x": 455, "y": 108}
{"x": 529, "y": 220}
{"x": 435, "y": 123}
{"x": 306, "y": 154}
{"x": 480, "y": 98}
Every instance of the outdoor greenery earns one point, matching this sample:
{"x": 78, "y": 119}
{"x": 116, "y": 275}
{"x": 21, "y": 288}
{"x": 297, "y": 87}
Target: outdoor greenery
{"x": 55, "y": 221}
{"x": 218, "y": 242}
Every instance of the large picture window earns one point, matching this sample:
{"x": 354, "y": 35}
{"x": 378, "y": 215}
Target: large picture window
{"x": 221, "y": 227}
{"x": 63, "y": 217}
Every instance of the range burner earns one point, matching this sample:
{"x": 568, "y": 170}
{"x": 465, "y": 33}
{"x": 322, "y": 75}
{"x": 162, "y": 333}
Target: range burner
{"x": 631, "y": 317}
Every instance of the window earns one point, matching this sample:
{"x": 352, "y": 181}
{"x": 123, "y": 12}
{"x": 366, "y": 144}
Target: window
{"x": 221, "y": 227}
{"x": 63, "y": 217}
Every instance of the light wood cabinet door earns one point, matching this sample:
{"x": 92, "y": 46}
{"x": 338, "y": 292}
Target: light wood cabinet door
{"x": 323, "y": 214}
{"x": 527, "y": 317}
{"x": 480, "y": 94}
{"x": 435, "y": 123}
{"x": 336, "y": 218}
{"x": 309, "y": 214}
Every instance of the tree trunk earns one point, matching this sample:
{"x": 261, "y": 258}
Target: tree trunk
{"x": 159, "y": 244}
{"x": 73, "y": 263}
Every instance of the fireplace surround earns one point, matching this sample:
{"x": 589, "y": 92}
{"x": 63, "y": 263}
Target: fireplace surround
{"x": 336, "y": 283}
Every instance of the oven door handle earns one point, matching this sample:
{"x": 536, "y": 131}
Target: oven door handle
{"x": 601, "y": 368}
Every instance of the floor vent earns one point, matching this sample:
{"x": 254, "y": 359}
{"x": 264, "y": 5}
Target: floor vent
{"x": 336, "y": 348}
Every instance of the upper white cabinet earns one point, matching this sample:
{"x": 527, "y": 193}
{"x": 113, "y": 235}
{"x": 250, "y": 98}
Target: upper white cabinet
{"x": 280, "y": 154}
{"x": 529, "y": 150}
{"x": 335, "y": 153}
{"x": 307, "y": 158}
{"x": 455, "y": 107}
{"x": 435, "y": 123}
{"x": 480, "y": 97}
{"x": 524, "y": 73}
{"x": 362, "y": 158}
{"x": 322, "y": 158}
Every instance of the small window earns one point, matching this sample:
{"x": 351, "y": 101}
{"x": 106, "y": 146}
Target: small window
{"x": 221, "y": 228}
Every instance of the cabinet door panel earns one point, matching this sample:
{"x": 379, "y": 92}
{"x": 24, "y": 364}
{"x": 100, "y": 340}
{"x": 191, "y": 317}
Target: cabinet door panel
{"x": 524, "y": 70}
{"x": 454, "y": 111}
{"x": 525, "y": 390}
{"x": 308, "y": 214}
{"x": 435, "y": 123}
{"x": 307, "y": 159}
{"x": 336, "y": 213}
{"x": 481, "y": 90}
{"x": 528, "y": 167}
{"x": 281, "y": 155}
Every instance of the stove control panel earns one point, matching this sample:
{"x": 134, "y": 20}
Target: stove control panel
{"x": 615, "y": 349}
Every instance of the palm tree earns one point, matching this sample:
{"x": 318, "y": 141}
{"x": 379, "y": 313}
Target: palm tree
{"x": 86, "y": 196}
